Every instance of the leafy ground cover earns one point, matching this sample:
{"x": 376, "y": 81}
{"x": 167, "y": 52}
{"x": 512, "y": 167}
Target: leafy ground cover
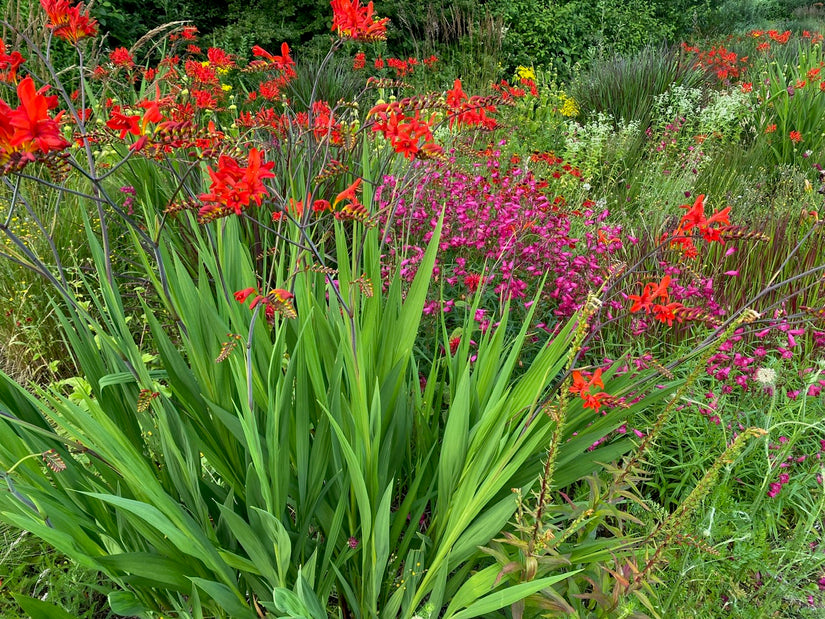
{"x": 345, "y": 337}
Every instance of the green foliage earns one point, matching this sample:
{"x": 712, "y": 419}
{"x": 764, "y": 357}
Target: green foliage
{"x": 625, "y": 87}
{"x": 346, "y": 427}
{"x": 792, "y": 104}
{"x": 125, "y": 21}
{"x": 268, "y": 22}
{"x": 563, "y": 34}
{"x": 742, "y": 15}
{"x": 749, "y": 554}
{"x": 30, "y": 569}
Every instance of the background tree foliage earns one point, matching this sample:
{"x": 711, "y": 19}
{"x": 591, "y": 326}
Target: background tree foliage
{"x": 558, "y": 34}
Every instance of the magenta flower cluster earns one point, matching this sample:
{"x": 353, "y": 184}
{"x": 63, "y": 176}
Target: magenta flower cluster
{"x": 504, "y": 231}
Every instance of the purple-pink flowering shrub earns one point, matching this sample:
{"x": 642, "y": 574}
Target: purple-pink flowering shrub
{"x": 505, "y": 230}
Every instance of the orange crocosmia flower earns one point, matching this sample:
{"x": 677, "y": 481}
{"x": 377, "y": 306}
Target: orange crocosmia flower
{"x": 353, "y": 21}
{"x": 34, "y": 129}
{"x": 71, "y": 23}
{"x": 770, "y": 128}
{"x": 348, "y": 193}
{"x": 594, "y": 400}
{"x": 580, "y": 385}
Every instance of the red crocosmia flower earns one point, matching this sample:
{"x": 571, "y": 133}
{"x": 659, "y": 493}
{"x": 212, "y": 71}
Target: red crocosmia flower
{"x": 204, "y": 99}
{"x": 456, "y": 95}
{"x": 271, "y": 61}
{"x": 9, "y": 63}
{"x": 151, "y": 115}
{"x": 360, "y": 61}
{"x": 281, "y": 295}
{"x": 321, "y": 205}
{"x": 34, "y": 129}
{"x": 651, "y": 292}
{"x": 473, "y": 281}
{"x": 379, "y": 63}
{"x": 580, "y": 385}
{"x": 188, "y": 33}
{"x": 118, "y": 121}
{"x": 278, "y": 300}
{"x": 122, "y": 57}
{"x": 348, "y": 193}
{"x": 667, "y": 313}
{"x": 468, "y": 111}
{"x": 721, "y": 217}
{"x": 71, "y": 23}
{"x": 242, "y": 295}
{"x": 747, "y": 87}
{"x": 795, "y": 137}
{"x": 296, "y": 208}
{"x": 353, "y": 21}
{"x": 695, "y": 215}
{"x": 234, "y": 187}
{"x": 455, "y": 342}
{"x": 403, "y": 132}
{"x": 220, "y": 58}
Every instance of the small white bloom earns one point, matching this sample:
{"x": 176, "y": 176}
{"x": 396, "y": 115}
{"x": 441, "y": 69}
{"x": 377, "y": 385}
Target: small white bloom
{"x": 765, "y": 377}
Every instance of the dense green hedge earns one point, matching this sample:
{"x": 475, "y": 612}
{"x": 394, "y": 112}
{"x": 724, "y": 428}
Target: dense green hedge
{"x": 551, "y": 33}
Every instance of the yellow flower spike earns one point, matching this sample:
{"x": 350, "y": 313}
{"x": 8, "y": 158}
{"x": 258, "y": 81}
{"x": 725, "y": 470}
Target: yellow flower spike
{"x": 525, "y": 73}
